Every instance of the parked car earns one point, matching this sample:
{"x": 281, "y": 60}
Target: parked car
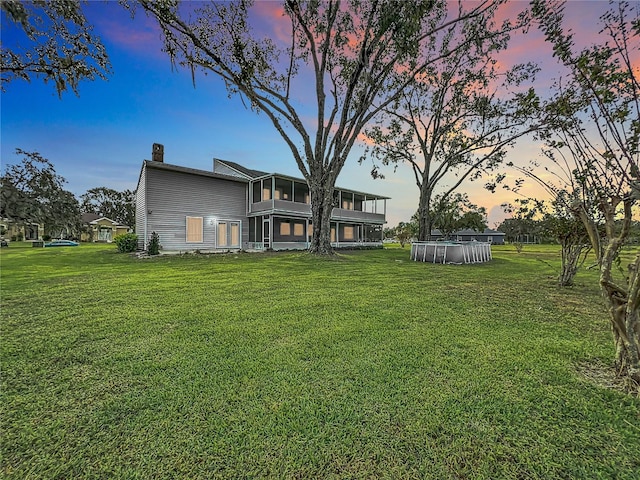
{"x": 61, "y": 243}
{"x": 4, "y": 243}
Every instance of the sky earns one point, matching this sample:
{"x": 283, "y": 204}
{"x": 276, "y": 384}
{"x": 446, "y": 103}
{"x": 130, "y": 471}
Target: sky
{"x": 101, "y": 137}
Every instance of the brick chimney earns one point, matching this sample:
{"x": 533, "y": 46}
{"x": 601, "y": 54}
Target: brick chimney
{"x": 157, "y": 152}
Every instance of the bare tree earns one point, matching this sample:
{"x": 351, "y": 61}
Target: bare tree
{"x": 356, "y": 58}
{"x": 594, "y": 153}
{"x": 456, "y": 122}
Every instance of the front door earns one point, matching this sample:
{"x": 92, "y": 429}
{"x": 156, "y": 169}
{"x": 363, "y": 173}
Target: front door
{"x": 104, "y": 235}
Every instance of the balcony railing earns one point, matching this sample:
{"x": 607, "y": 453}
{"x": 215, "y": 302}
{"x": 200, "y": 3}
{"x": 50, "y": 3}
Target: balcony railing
{"x": 284, "y": 206}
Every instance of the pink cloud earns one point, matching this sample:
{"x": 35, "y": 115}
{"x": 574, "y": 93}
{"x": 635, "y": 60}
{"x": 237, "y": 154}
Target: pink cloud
{"x": 140, "y": 34}
{"x": 269, "y": 19}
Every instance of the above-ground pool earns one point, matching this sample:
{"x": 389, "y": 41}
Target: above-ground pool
{"x": 451, "y": 252}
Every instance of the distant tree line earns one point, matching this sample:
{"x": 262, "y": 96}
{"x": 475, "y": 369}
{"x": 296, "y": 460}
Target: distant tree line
{"x": 32, "y": 192}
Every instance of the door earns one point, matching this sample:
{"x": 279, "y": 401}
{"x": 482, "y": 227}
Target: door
{"x": 104, "y": 235}
{"x": 266, "y": 233}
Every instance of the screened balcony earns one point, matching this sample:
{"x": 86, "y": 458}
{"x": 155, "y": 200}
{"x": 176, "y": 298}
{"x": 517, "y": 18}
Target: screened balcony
{"x": 280, "y": 194}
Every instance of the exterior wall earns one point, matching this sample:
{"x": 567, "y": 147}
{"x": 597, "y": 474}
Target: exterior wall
{"x": 33, "y": 230}
{"x": 172, "y": 196}
{"x": 141, "y": 209}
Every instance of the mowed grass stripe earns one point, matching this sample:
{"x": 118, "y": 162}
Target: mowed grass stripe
{"x": 366, "y": 365}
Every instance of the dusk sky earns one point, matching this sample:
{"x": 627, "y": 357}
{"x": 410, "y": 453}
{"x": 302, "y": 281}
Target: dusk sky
{"x": 101, "y": 137}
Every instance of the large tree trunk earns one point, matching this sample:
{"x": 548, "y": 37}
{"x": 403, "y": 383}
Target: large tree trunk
{"x": 321, "y": 207}
{"x": 624, "y": 303}
{"x": 425, "y": 221}
{"x": 624, "y": 307}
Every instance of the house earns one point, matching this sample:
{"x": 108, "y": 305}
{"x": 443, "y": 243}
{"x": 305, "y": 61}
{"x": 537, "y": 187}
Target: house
{"x": 233, "y": 208}
{"x": 19, "y": 231}
{"x": 100, "y": 229}
{"x": 467, "y": 235}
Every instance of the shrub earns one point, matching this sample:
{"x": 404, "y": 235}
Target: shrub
{"x": 153, "y": 247}
{"x": 46, "y": 238}
{"x": 126, "y": 243}
{"x": 20, "y": 237}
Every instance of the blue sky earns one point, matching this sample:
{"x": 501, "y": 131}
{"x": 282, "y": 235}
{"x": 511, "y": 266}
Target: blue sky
{"x": 101, "y": 137}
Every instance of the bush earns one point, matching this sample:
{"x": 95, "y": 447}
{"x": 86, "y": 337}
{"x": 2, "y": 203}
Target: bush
{"x": 20, "y": 237}
{"x": 153, "y": 247}
{"x": 126, "y": 243}
{"x": 46, "y": 238}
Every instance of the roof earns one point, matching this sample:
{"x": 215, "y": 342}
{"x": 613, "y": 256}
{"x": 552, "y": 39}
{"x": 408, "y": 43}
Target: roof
{"x": 192, "y": 171}
{"x": 93, "y": 219}
{"x": 89, "y": 217}
{"x": 243, "y": 170}
{"x": 469, "y": 231}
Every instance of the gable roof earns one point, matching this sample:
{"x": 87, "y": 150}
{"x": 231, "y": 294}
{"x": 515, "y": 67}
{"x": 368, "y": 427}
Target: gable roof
{"x": 247, "y": 172}
{"x": 193, "y": 171}
{"x": 89, "y": 217}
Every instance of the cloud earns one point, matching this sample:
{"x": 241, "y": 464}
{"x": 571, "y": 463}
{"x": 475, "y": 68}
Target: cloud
{"x": 140, "y": 34}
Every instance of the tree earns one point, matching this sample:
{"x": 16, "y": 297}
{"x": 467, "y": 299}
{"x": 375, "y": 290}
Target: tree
{"x": 552, "y": 220}
{"x": 456, "y": 122}
{"x": 456, "y": 212}
{"x": 405, "y": 231}
{"x": 31, "y": 192}
{"x": 357, "y": 56}
{"x": 572, "y": 236}
{"x": 63, "y": 216}
{"x": 56, "y": 44}
{"x": 110, "y": 203}
{"x": 593, "y": 150}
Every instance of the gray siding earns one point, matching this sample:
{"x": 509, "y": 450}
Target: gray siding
{"x": 141, "y": 208}
{"x": 172, "y": 196}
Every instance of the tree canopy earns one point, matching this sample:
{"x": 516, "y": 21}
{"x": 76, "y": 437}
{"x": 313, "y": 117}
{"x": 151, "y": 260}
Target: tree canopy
{"x": 345, "y": 61}
{"x": 456, "y": 121}
{"x": 593, "y": 152}
{"x": 32, "y": 192}
{"x": 56, "y": 44}
{"x": 110, "y": 203}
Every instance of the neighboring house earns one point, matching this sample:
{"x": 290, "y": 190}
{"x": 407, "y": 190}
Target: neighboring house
{"x": 233, "y": 208}
{"x": 466, "y": 235}
{"x": 16, "y": 231}
{"x": 101, "y": 229}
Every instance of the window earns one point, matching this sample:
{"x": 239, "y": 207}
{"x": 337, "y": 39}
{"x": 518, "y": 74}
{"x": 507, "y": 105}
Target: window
{"x": 285, "y": 228}
{"x": 348, "y": 232}
{"x": 228, "y": 234}
{"x": 283, "y": 189}
{"x": 256, "y": 192}
{"x": 301, "y": 193}
{"x": 194, "y": 229}
{"x": 266, "y": 193}
{"x": 298, "y": 229}
{"x": 347, "y": 201}
{"x": 358, "y": 200}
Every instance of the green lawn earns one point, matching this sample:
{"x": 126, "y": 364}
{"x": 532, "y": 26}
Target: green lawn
{"x": 366, "y": 365}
